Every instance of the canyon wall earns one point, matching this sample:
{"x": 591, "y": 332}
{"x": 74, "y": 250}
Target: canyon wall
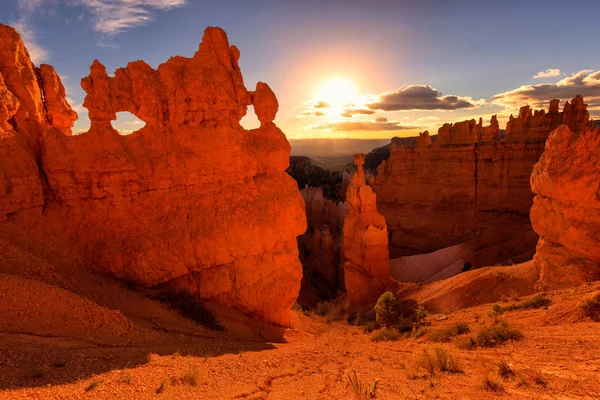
{"x": 320, "y": 247}
{"x": 365, "y": 248}
{"x": 190, "y": 202}
{"x": 566, "y": 208}
{"x": 470, "y": 180}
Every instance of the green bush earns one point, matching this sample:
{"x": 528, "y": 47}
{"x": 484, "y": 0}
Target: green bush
{"x": 420, "y": 315}
{"x": 591, "y": 307}
{"x": 388, "y": 311}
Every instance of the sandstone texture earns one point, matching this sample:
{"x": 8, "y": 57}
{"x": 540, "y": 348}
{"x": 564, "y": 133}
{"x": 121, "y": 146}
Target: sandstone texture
{"x": 566, "y": 208}
{"x": 190, "y": 202}
{"x": 365, "y": 251}
{"x": 436, "y": 195}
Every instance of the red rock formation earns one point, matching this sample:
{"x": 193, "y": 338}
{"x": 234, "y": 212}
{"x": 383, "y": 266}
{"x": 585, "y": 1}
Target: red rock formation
{"x": 366, "y": 254}
{"x": 25, "y": 117}
{"x": 191, "y": 201}
{"x": 566, "y": 208}
{"x": 442, "y": 194}
{"x": 320, "y": 246}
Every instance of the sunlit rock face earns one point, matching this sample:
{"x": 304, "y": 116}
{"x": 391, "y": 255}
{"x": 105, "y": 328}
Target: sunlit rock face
{"x": 366, "y": 254}
{"x": 468, "y": 181}
{"x": 191, "y": 201}
{"x": 32, "y": 103}
{"x": 566, "y": 208}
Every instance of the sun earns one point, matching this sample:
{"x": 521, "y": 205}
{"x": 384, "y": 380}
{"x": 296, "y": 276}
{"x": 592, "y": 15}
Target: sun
{"x": 336, "y": 91}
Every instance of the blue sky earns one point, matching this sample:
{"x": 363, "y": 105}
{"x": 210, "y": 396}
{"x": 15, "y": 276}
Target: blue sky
{"x": 377, "y": 67}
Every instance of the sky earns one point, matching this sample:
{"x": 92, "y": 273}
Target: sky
{"x": 340, "y": 69}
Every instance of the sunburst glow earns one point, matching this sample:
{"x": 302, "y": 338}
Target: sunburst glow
{"x": 336, "y": 91}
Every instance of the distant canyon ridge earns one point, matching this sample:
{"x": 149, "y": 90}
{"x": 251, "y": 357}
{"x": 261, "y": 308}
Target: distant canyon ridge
{"x": 193, "y": 204}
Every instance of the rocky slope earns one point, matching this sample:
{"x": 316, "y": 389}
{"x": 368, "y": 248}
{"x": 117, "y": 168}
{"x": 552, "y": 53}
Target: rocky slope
{"x": 442, "y": 194}
{"x": 163, "y": 207}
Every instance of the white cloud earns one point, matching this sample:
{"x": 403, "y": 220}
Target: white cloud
{"x": 116, "y": 16}
{"x": 38, "y": 53}
{"x": 585, "y": 83}
{"x": 110, "y": 17}
{"x": 29, "y": 6}
{"x": 550, "y": 72}
{"x": 429, "y": 118}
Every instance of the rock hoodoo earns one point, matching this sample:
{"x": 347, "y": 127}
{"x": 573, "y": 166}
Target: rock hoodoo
{"x": 365, "y": 251}
{"x": 566, "y": 208}
{"x": 190, "y": 202}
{"x": 468, "y": 181}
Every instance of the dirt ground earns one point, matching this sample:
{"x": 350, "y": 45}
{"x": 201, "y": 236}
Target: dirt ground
{"x": 559, "y": 358}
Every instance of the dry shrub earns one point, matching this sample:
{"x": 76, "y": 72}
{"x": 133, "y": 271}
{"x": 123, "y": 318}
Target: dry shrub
{"x": 504, "y": 370}
{"x": 370, "y": 326}
{"x": 444, "y": 335}
{"x": 497, "y": 334}
{"x": 537, "y": 301}
{"x": 490, "y": 385}
{"x": 438, "y": 359}
{"x": 386, "y": 335}
{"x": 591, "y": 307}
{"x": 192, "y": 376}
{"x": 360, "y": 388}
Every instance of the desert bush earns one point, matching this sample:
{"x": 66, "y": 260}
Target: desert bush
{"x": 387, "y": 310}
{"x": 386, "y": 335}
{"x": 360, "y": 388}
{"x": 537, "y": 301}
{"x": 192, "y": 376}
{"x": 497, "y": 334}
{"x": 420, "y": 315}
{"x": 591, "y": 307}
{"x": 370, "y": 326}
{"x": 190, "y": 307}
{"x": 495, "y": 312}
{"x": 467, "y": 343}
{"x": 444, "y": 335}
{"x": 490, "y": 385}
{"x": 438, "y": 359}
{"x": 504, "y": 370}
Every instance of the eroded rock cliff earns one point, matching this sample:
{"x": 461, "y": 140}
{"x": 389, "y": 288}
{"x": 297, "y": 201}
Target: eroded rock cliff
{"x": 566, "y": 208}
{"x": 468, "y": 181}
{"x": 191, "y": 201}
{"x": 320, "y": 247}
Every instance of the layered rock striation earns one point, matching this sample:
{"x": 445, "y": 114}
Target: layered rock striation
{"x": 436, "y": 195}
{"x": 566, "y": 207}
{"x": 365, "y": 249}
{"x": 190, "y": 202}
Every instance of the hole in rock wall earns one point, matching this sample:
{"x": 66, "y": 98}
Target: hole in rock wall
{"x": 127, "y": 123}
{"x": 250, "y": 120}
